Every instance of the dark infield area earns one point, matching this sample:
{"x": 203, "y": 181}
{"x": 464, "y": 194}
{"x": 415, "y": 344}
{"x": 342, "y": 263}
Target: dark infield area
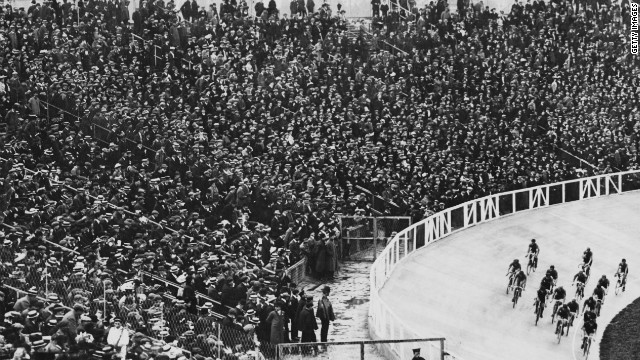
{"x": 621, "y": 338}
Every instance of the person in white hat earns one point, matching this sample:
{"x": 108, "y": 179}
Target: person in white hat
{"x": 118, "y": 337}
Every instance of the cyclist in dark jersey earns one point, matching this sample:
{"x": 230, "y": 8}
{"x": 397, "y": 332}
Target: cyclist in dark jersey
{"x": 553, "y": 273}
{"x": 604, "y": 282}
{"x": 563, "y": 316}
{"x": 589, "y": 329}
{"x": 598, "y": 292}
{"x": 580, "y": 277}
{"x": 623, "y": 271}
{"x": 574, "y": 308}
{"x": 541, "y": 297}
{"x": 587, "y": 259}
{"x": 589, "y": 304}
{"x": 521, "y": 279}
{"x": 546, "y": 283}
{"x": 514, "y": 266}
{"x": 535, "y": 250}
{"x": 589, "y": 315}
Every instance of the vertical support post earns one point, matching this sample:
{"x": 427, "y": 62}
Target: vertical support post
{"x": 620, "y": 184}
{"x": 547, "y": 202}
{"x": 155, "y": 55}
{"x": 46, "y": 279}
{"x": 219, "y": 337}
{"x": 375, "y": 237}
{"x": 564, "y": 190}
{"x": 104, "y": 303}
{"x": 362, "y": 350}
{"x": 513, "y": 202}
{"x": 441, "y": 349}
{"x": 341, "y": 241}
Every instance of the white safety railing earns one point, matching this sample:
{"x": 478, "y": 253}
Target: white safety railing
{"x": 384, "y": 324}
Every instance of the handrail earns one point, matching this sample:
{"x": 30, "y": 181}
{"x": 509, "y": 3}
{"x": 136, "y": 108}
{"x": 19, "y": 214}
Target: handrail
{"x": 384, "y": 41}
{"x": 37, "y": 297}
{"x": 63, "y": 110}
{"x": 376, "y": 196}
{"x": 468, "y": 214}
{"x": 198, "y": 294}
{"x": 96, "y": 125}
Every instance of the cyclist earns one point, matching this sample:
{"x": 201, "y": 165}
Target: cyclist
{"x": 535, "y": 250}
{"x": 589, "y": 329}
{"x": 580, "y": 279}
{"x": 541, "y": 297}
{"x": 553, "y": 273}
{"x": 514, "y": 267}
{"x": 547, "y": 283}
{"x": 589, "y": 315}
{"x": 598, "y": 292}
{"x": 520, "y": 279}
{"x": 623, "y": 271}
{"x": 563, "y": 317}
{"x": 559, "y": 295}
{"x": 587, "y": 259}
{"x": 604, "y": 282}
{"x": 574, "y": 308}
{"x": 589, "y": 304}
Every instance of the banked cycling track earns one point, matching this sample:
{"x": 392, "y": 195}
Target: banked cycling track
{"x": 455, "y": 288}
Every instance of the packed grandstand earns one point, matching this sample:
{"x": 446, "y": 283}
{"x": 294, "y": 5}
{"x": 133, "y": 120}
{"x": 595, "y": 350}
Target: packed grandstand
{"x": 212, "y": 149}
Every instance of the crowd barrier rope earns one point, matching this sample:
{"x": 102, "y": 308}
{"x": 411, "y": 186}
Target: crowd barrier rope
{"x": 383, "y": 322}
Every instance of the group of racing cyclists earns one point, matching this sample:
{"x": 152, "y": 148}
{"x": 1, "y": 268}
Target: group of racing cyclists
{"x": 565, "y": 313}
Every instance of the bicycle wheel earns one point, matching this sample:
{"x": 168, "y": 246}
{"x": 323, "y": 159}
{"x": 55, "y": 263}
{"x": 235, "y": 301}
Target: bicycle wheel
{"x": 598, "y": 306}
{"x": 587, "y": 347}
{"x": 529, "y": 268}
{"x": 559, "y": 331}
{"x": 537, "y": 312}
{"x": 553, "y": 314}
{"x": 516, "y": 294}
{"x": 618, "y": 287}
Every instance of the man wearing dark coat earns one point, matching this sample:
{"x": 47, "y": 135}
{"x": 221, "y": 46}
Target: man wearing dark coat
{"x": 307, "y": 322}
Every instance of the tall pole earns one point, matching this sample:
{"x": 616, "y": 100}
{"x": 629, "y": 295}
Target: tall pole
{"x": 46, "y": 267}
{"x": 104, "y": 302}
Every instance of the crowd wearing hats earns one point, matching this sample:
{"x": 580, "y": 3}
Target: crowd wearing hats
{"x": 215, "y": 153}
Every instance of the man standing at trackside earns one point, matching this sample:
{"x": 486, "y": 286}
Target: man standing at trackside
{"x": 307, "y": 322}
{"x": 416, "y": 355}
{"x": 325, "y": 313}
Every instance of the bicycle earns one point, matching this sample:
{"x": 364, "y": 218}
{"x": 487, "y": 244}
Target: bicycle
{"x": 517, "y": 292}
{"x": 598, "y": 306}
{"x": 579, "y": 290}
{"x": 570, "y": 322}
{"x": 560, "y": 329}
{"x": 586, "y": 344}
{"x": 511, "y": 276}
{"x": 620, "y": 283}
{"x": 539, "y": 305}
{"x": 586, "y": 268}
{"x": 531, "y": 265}
{"x": 555, "y": 309}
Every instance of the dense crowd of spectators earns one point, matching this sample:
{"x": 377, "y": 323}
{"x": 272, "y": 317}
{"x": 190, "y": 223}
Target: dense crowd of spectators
{"x": 216, "y": 152}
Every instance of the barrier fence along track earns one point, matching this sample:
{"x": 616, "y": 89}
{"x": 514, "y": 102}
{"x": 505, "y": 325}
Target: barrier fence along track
{"x": 340, "y": 349}
{"x": 383, "y": 323}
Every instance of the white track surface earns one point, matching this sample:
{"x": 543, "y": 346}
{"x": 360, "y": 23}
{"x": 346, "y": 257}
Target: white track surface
{"x": 456, "y": 287}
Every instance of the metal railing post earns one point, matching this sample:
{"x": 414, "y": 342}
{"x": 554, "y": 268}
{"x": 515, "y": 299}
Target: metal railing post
{"x": 362, "y": 351}
{"x": 375, "y": 238}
